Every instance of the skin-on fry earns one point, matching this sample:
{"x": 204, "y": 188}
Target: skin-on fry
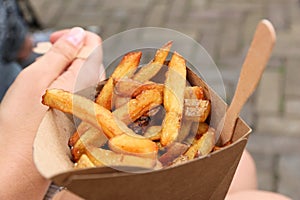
{"x": 85, "y": 109}
{"x": 194, "y": 92}
{"x": 202, "y": 146}
{"x": 153, "y": 133}
{"x": 130, "y": 88}
{"x": 196, "y": 110}
{"x": 200, "y": 127}
{"x": 184, "y": 130}
{"x": 126, "y": 68}
{"x": 151, "y": 69}
{"x": 138, "y": 146}
{"x": 176, "y": 149}
{"x": 91, "y": 137}
{"x": 84, "y": 162}
{"x": 109, "y": 158}
{"x": 175, "y": 85}
{"x": 81, "y": 129}
{"x": 135, "y": 108}
{"x": 73, "y": 139}
{"x": 173, "y": 99}
{"x": 123, "y": 139}
{"x": 119, "y": 101}
{"x": 170, "y": 128}
{"x": 190, "y": 93}
{"x": 148, "y": 86}
{"x": 197, "y": 130}
{"x": 125, "y": 87}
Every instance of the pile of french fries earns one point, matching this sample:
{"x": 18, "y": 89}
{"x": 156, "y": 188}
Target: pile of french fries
{"x": 148, "y": 117}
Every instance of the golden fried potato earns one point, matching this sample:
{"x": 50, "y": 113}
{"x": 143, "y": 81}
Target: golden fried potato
{"x": 194, "y": 92}
{"x": 151, "y": 69}
{"x": 126, "y": 68}
{"x": 73, "y": 139}
{"x": 185, "y": 128}
{"x": 125, "y": 87}
{"x": 173, "y": 99}
{"x": 200, "y": 128}
{"x": 127, "y": 104}
{"x": 170, "y": 128}
{"x": 175, "y": 150}
{"x": 197, "y": 110}
{"x": 111, "y": 159}
{"x": 120, "y": 101}
{"x": 84, "y": 162}
{"x": 148, "y": 86}
{"x": 135, "y": 108}
{"x": 202, "y": 146}
{"x": 86, "y": 110}
{"x": 83, "y": 126}
{"x": 175, "y": 85}
{"x": 138, "y": 146}
{"x": 197, "y": 130}
{"x": 91, "y": 137}
{"x": 130, "y": 88}
{"x": 153, "y": 133}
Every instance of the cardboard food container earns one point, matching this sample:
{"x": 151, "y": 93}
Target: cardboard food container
{"x": 204, "y": 178}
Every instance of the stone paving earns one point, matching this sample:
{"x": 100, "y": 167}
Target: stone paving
{"x": 225, "y": 29}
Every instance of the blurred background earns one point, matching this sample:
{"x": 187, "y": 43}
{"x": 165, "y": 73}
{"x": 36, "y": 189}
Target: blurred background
{"x": 225, "y": 29}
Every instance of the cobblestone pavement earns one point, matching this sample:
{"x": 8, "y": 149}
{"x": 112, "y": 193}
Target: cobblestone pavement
{"x": 225, "y": 29}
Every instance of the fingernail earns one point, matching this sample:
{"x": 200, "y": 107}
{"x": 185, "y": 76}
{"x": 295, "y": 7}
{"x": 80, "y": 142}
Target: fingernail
{"x": 76, "y": 36}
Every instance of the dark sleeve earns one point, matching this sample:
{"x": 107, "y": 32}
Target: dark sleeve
{"x": 8, "y": 73}
{"x": 13, "y": 30}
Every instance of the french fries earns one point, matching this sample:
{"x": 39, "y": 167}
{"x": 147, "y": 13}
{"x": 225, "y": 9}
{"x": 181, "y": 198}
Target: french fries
{"x": 91, "y": 137}
{"x": 100, "y": 118}
{"x": 173, "y": 152}
{"x": 202, "y": 146}
{"x": 84, "y": 162}
{"x": 133, "y": 145}
{"x": 136, "y": 121}
{"x": 197, "y": 110}
{"x": 173, "y": 99}
{"x": 126, "y": 68}
{"x": 135, "y": 108}
{"x": 150, "y": 70}
{"x": 84, "y": 109}
{"x": 103, "y": 157}
{"x": 153, "y": 133}
{"x": 125, "y": 87}
{"x": 194, "y": 92}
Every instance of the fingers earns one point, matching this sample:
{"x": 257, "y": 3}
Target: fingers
{"x": 91, "y": 38}
{"x": 57, "y": 34}
{"x": 82, "y": 73}
{"x": 59, "y": 67}
{"x": 58, "y": 58}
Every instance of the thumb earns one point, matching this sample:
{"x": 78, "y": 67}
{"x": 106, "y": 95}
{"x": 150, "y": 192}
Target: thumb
{"x": 59, "y": 57}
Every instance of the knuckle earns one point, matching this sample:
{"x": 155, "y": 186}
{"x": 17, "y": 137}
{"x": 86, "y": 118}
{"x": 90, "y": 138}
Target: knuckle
{"x": 65, "y": 50}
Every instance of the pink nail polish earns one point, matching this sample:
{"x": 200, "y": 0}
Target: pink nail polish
{"x": 76, "y": 36}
